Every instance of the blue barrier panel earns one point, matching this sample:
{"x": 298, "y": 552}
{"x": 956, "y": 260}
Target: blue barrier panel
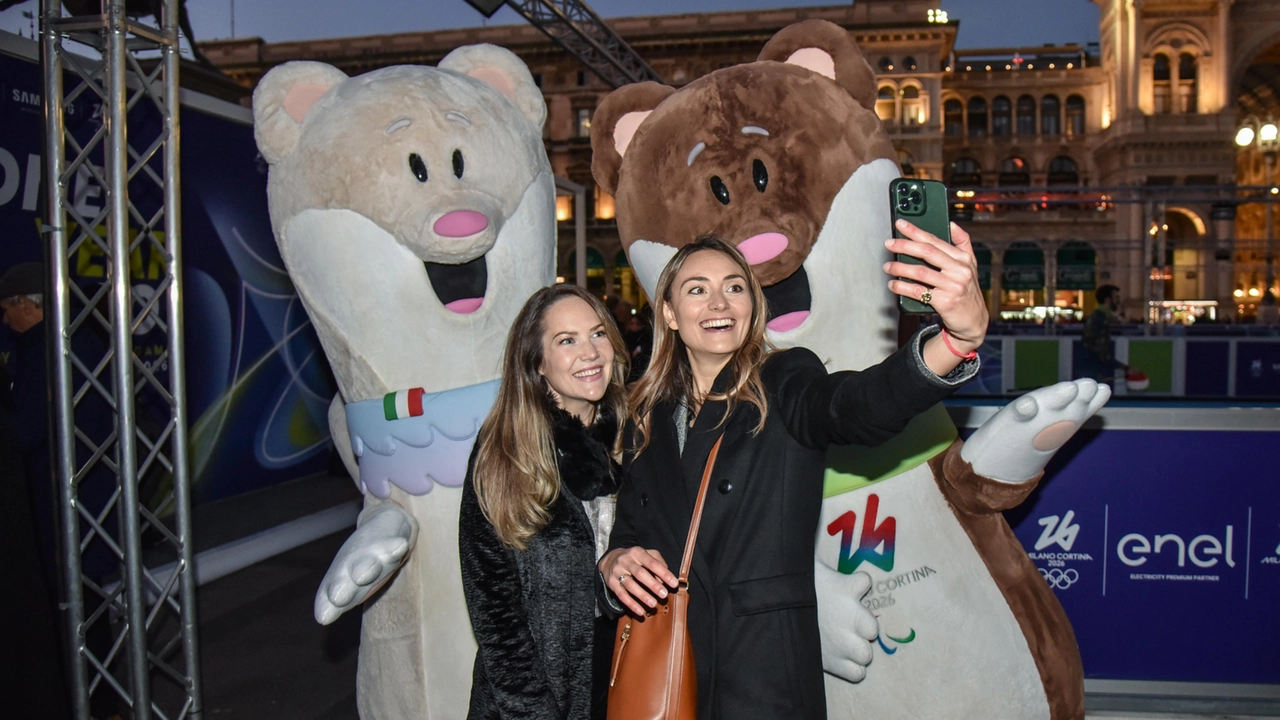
{"x": 1164, "y": 548}
{"x": 1208, "y": 367}
{"x": 257, "y": 382}
{"x": 1257, "y": 369}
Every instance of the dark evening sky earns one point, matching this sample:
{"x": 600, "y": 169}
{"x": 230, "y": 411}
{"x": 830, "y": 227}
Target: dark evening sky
{"x": 983, "y": 23}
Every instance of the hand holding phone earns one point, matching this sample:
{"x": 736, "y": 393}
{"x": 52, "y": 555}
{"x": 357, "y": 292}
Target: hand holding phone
{"x": 922, "y": 203}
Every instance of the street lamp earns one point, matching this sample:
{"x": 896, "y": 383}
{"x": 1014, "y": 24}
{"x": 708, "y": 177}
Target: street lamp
{"x": 1265, "y": 137}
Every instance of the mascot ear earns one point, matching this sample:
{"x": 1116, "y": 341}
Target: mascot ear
{"x": 282, "y": 100}
{"x": 614, "y": 125}
{"x": 502, "y": 70}
{"x": 827, "y": 49}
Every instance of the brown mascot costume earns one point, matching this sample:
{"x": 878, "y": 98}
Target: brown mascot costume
{"x": 786, "y": 158}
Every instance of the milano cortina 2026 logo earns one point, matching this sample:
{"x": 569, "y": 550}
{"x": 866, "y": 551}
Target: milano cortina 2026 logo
{"x": 1054, "y": 564}
{"x": 876, "y": 546}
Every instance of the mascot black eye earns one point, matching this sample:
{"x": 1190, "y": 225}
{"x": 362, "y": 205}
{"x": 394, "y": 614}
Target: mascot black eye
{"x": 457, "y": 164}
{"x": 418, "y": 167}
{"x": 719, "y": 190}
{"x": 760, "y": 174}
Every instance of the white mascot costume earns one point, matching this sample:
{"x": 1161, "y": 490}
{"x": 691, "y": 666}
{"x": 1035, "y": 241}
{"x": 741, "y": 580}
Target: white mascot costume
{"x": 414, "y": 208}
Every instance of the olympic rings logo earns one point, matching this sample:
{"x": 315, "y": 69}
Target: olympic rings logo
{"x": 1060, "y": 579}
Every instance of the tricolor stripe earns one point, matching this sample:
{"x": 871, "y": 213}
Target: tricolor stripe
{"x": 403, "y": 404}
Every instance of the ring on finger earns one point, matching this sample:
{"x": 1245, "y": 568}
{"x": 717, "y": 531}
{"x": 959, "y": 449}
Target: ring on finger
{"x": 926, "y": 296}
{"x": 623, "y": 578}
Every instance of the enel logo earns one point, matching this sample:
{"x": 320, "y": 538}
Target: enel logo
{"x": 1134, "y": 547}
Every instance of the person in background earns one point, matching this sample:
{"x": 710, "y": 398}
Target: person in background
{"x": 537, "y": 508}
{"x": 1099, "y": 362}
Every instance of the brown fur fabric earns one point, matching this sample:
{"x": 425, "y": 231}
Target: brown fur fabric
{"x": 977, "y": 502}
{"x": 808, "y": 156}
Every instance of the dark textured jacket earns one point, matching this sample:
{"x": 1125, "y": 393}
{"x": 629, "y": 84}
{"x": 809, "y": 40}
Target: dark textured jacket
{"x": 533, "y": 610}
{"x": 753, "y": 615}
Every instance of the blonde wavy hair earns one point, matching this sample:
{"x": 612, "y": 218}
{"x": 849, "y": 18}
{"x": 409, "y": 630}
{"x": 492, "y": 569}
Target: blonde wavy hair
{"x": 669, "y": 377}
{"x": 516, "y": 477}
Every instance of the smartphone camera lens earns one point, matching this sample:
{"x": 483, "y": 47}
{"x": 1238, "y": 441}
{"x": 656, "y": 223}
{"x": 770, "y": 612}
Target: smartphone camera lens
{"x": 915, "y": 197}
{"x": 904, "y": 205}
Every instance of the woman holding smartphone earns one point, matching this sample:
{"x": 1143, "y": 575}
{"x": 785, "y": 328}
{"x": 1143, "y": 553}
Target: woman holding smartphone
{"x": 752, "y": 610}
{"x": 536, "y": 510}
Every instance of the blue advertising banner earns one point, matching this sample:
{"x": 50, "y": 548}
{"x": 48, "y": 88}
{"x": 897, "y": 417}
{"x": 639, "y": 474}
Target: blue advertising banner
{"x": 1164, "y": 548}
{"x": 258, "y": 385}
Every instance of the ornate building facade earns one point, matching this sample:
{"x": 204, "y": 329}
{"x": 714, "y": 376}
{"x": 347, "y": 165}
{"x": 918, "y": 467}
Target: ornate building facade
{"x": 1080, "y": 164}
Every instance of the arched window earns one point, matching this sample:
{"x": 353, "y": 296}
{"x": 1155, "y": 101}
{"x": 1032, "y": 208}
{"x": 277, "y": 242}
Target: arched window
{"x": 1162, "y": 94}
{"x": 1015, "y": 171}
{"x": 965, "y": 171}
{"x": 886, "y": 103}
{"x": 1075, "y": 116}
{"x": 885, "y": 64}
{"x": 1187, "y": 83}
{"x": 977, "y": 116}
{"x": 1063, "y": 171}
{"x": 953, "y": 117}
{"x": 912, "y": 107}
{"x": 1026, "y": 115}
{"x": 1050, "y": 122}
{"x": 1001, "y": 117}
{"x": 907, "y": 163}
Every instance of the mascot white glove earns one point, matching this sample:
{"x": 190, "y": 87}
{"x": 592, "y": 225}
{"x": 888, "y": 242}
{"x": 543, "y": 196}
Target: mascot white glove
{"x": 847, "y": 627}
{"x": 366, "y": 560}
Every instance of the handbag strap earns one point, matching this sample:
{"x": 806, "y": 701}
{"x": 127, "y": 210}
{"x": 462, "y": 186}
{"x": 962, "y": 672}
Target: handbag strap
{"x": 697, "y": 515}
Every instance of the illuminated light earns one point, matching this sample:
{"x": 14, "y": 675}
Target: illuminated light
{"x": 564, "y": 208}
{"x": 1030, "y": 66}
{"x": 889, "y": 67}
{"x": 1165, "y": 228}
{"x": 937, "y": 16}
{"x": 1253, "y": 292}
{"x": 968, "y": 67}
{"x": 948, "y": 68}
{"x": 1244, "y": 137}
{"x": 1239, "y": 292}
{"x": 1008, "y": 67}
{"x": 988, "y": 68}
{"x": 1070, "y": 65}
{"x": 920, "y": 117}
{"x": 1050, "y": 66}
{"x": 560, "y": 280}
{"x": 1275, "y": 191}
{"x": 1268, "y": 132}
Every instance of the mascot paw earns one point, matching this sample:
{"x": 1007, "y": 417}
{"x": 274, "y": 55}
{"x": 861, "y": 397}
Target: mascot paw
{"x": 1017, "y": 442}
{"x": 847, "y": 627}
{"x": 367, "y": 560}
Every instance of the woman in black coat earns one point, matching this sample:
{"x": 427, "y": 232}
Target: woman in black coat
{"x": 753, "y": 619}
{"x": 537, "y": 506}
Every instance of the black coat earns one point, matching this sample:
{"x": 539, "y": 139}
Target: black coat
{"x": 533, "y": 610}
{"x": 752, "y": 614}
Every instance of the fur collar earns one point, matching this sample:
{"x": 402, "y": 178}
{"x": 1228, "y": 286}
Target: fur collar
{"x": 584, "y": 454}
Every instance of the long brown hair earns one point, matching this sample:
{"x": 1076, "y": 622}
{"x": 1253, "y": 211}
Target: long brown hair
{"x": 669, "y": 377}
{"x": 516, "y": 477}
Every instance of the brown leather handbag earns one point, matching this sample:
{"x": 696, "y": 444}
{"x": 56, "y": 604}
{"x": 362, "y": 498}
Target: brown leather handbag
{"x": 653, "y": 675}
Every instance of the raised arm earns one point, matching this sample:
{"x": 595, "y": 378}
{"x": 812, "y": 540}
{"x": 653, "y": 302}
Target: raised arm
{"x": 857, "y": 407}
{"x": 491, "y": 584}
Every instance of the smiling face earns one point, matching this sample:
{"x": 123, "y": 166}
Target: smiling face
{"x": 577, "y": 357}
{"x": 710, "y": 307}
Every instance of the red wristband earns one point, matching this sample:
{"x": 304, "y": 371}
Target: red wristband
{"x": 971, "y": 355}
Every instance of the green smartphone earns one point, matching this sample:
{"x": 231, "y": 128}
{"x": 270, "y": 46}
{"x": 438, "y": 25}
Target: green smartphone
{"x": 922, "y": 203}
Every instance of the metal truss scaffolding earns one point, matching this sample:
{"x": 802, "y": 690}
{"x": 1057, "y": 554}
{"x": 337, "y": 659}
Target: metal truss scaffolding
{"x": 115, "y": 306}
{"x": 574, "y": 26}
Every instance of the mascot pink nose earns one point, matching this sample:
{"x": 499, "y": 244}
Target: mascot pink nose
{"x": 763, "y": 247}
{"x": 460, "y": 223}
